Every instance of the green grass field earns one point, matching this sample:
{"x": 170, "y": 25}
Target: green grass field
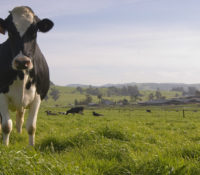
{"x": 124, "y": 141}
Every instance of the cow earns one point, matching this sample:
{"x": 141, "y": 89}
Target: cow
{"x": 96, "y": 114}
{"x": 24, "y": 73}
{"x": 50, "y": 113}
{"x": 148, "y": 110}
{"x": 62, "y": 113}
{"x": 75, "y": 110}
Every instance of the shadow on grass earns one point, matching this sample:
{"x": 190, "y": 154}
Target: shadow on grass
{"x": 58, "y": 144}
{"x": 113, "y": 133}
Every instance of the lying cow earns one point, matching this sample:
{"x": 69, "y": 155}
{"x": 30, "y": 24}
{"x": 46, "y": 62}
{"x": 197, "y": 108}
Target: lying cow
{"x": 75, "y": 110}
{"x": 62, "y": 113}
{"x": 24, "y": 73}
{"x": 148, "y": 110}
{"x": 50, "y": 113}
{"x": 96, "y": 114}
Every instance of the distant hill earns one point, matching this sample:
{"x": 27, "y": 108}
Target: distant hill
{"x": 145, "y": 86}
{"x": 78, "y": 85}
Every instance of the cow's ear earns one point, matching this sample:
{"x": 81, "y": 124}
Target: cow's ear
{"x": 2, "y": 26}
{"x": 45, "y": 25}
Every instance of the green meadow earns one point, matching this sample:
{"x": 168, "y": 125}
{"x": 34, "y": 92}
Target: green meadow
{"x": 125, "y": 141}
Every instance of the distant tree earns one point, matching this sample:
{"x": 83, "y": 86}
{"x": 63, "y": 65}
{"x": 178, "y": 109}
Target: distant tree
{"x": 197, "y": 93}
{"x": 158, "y": 94}
{"x": 133, "y": 92}
{"x": 88, "y": 99}
{"x": 79, "y": 89}
{"x": 163, "y": 97}
{"x": 192, "y": 90}
{"x": 92, "y": 91}
{"x": 112, "y": 91}
{"x": 150, "y": 97}
{"x": 100, "y": 96}
{"x": 55, "y": 93}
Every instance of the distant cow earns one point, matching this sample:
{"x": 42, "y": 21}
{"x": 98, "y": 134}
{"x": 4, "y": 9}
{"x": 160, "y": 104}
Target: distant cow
{"x": 75, "y": 110}
{"x": 148, "y": 110}
{"x": 24, "y": 73}
{"x": 50, "y": 113}
{"x": 96, "y": 114}
{"x": 62, "y": 113}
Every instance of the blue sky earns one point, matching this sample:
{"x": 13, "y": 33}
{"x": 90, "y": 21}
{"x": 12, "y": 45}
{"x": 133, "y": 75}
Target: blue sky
{"x": 119, "y": 41}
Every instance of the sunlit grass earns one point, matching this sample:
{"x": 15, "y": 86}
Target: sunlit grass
{"x": 124, "y": 141}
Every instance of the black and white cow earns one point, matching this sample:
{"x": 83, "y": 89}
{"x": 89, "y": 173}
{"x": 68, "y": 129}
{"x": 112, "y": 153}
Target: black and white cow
{"x": 75, "y": 110}
{"x": 24, "y": 73}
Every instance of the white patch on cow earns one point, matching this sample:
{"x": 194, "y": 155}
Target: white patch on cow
{"x": 32, "y": 119}
{"x": 22, "y": 19}
{"x": 18, "y": 96}
{"x": 6, "y": 121}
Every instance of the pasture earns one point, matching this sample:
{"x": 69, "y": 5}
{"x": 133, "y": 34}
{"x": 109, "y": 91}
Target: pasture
{"x": 125, "y": 141}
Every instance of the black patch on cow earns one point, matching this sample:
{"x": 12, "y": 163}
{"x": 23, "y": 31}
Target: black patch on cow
{"x": 28, "y": 85}
{"x": 20, "y": 75}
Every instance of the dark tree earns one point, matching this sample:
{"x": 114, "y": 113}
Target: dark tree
{"x": 158, "y": 94}
{"x": 55, "y": 93}
{"x": 192, "y": 90}
{"x": 79, "y": 89}
{"x": 150, "y": 97}
{"x": 133, "y": 92}
{"x": 100, "y": 96}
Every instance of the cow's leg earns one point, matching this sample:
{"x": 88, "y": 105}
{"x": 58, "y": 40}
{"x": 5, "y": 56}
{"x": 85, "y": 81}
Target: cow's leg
{"x": 6, "y": 121}
{"x": 20, "y": 120}
{"x": 32, "y": 118}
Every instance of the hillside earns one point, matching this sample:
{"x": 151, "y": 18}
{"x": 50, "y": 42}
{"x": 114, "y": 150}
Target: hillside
{"x": 68, "y": 95}
{"x": 144, "y": 86}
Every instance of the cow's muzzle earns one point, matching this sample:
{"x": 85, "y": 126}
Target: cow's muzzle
{"x": 22, "y": 63}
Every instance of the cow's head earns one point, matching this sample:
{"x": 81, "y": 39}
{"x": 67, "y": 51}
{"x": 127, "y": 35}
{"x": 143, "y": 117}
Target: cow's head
{"x": 22, "y": 26}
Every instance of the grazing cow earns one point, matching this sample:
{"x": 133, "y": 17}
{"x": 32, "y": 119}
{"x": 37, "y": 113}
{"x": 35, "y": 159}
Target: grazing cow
{"x": 75, "y": 110}
{"x": 148, "y": 110}
{"x": 24, "y": 73}
{"x": 96, "y": 114}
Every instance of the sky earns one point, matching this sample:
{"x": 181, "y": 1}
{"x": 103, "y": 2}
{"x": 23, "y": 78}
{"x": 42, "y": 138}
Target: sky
{"x": 118, "y": 41}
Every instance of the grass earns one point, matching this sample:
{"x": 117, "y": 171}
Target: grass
{"x": 124, "y": 141}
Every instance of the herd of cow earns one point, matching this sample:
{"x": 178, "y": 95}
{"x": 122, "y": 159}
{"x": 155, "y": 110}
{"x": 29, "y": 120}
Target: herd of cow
{"x": 74, "y": 110}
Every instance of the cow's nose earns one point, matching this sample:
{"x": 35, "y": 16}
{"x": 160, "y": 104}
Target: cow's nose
{"x": 22, "y": 64}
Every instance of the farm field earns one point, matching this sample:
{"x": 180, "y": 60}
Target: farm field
{"x": 124, "y": 141}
